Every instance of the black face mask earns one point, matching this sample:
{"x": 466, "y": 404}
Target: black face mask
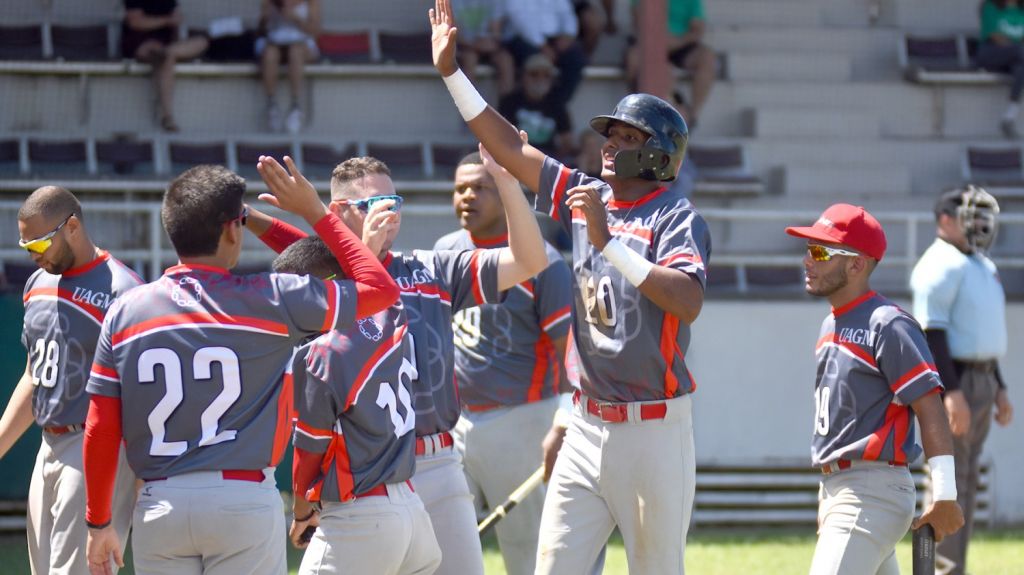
{"x": 648, "y": 163}
{"x": 977, "y": 216}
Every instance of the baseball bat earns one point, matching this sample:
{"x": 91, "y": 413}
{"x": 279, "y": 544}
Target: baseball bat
{"x": 514, "y": 499}
{"x": 924, "y": 550}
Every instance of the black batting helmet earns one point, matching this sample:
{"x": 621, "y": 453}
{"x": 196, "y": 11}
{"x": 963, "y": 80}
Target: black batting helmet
{"x": 660, "y": 157}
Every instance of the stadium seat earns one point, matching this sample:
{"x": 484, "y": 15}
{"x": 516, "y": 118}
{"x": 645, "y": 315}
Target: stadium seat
{"x": 52, "y": 157}
{"x": 404, "y": 160}
{"x": 186, "y": 155}
{"x": 941, "y": 59}
{"x": 125, "y": 157}
{"x": 445, "y": 157}
{"x": 319, "y": 160}
{"x": 405, "y": 47}
{"x": 774, "y": 276}
{"x": 345, "y": 47}
{"x": 723, "y": 170}
{"x": 9, "y": 158}
{"x": 722, "y": 277}
{"x": 1000, "y": 170}
{"x": 81, "y": 42}
{"x": 21, "y": 42}
{"x": 248, "y": 154}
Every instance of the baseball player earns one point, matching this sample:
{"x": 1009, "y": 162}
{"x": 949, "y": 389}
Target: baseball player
{"x": 65, "y": 302}
{"x": 197, "y": 360}
{"x": 434, "y": 285}
{"x": 507, "y": 360}
{"x": 354, "y": 441}
{"x": 959, "y": 301}
{"x": 874, "y": 375}
{"x": 639, "y": 257}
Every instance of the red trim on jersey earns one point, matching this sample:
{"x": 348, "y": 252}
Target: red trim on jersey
{"x": 429, "y": 290}
{"x": 311, "y": 431}
{"x": 622, "y": 205}
{"x": 669, "y": 350}
{"x": 283, "y": 425}
{"x": 838, "y": 311}
{"x": 626, "y": 229}
{"x": 692, "y": 258}
{"x": 101, "y": 256}
{"x": 101, "y": 444}
{"x": 63, "y": 294}
{"x": 877, "y": 440}
{"x": 544, "y": 357}
{"x": 308, "y": 472}
{"x": 917, "y": 370}
{"x": 343, "y": 467}
{"x": 555, "y": 317}
{"x": 558, "y": 194}
{"x": 494, "y": 242}
{"x": 902, "y": 427}
{"x": 200, "y": 317}
{"x": 527, "y": 286}
{"x": 474, "y": 270}
{"x": 186, "y": 268}
{"x": 105, "y": 371}
{"x": 832, "y": 338}
{"x": 332, "y": 306}
{"x": 383, "y": 349}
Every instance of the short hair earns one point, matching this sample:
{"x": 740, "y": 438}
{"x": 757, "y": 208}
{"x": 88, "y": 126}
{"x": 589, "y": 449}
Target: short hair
{"x": 948, "y": 202}
{"x": 52, "y": 203}
{"x": 197, "y": 204}
{"x": 354, "y": 169}
{"x": 308, "y": 256}
{"x": 471, "y": 159}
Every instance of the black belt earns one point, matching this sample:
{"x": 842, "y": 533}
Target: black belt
{"x": 986, "y": 365}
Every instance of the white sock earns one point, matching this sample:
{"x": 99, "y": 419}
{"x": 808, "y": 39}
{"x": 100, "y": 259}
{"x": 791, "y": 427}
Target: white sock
{"x": 1011, "y": 111}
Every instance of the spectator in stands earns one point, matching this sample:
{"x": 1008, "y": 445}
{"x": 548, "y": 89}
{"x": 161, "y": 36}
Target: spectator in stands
{"x": 549, "y": 27}
{"x": 480, "y": 41}
{"x": 588, "y": 158}
{"x": 535, "y": 108}
{"x": 290, "y": 28}
{"x": 1001, "y": 50}
{"x": 150, "y": 34}
{"x": 686, "y": 27}
{"x": 593, "y": 21}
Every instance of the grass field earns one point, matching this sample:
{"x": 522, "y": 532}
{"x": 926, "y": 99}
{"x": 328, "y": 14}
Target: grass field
{"x": 709, "y": 552}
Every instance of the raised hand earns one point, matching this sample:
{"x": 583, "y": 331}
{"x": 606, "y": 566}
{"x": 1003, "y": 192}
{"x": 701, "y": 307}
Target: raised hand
{"x": 289, "y": 189}
{"x": 442, "y": 37}
{"x": 588, "y": 200}
{"x": 380, "y": 226}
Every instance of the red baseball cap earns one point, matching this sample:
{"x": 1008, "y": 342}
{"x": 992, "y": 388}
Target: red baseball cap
{"x": 849, "y": 225}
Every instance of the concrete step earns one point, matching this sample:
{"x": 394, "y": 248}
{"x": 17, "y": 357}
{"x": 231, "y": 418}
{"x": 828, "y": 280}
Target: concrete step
{"x": 859, "y": 183}
{"x": 792, "y": 66}
{"x": 796, "y": 123}
{"x": 753, "y": 13}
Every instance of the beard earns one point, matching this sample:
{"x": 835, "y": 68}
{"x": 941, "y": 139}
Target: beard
{"x": 830, "y": 283}
{"x": 60, "y": 263}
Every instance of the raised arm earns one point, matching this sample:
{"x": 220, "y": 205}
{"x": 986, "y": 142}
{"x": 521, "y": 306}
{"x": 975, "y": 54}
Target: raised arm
{"x": 499, "y": 137}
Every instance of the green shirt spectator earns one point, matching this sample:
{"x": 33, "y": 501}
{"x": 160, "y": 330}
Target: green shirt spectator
{"x": 1007, "y": 20}
{"x": 681, "y": 13}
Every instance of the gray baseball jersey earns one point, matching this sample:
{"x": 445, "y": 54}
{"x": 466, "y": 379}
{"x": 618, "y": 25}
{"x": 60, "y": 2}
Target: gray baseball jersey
{"x": 434, "y": 285}
{"x": 629, "y": 348}
{"x": 873, "y": 362}
{"x": 504, "y": 354}
{"x": 198, "y": 358}
{"x": 353, "y": 396}
{"x": 63, "y": 315}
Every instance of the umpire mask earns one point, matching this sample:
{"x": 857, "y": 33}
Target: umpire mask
{"x": 977, "y": 215}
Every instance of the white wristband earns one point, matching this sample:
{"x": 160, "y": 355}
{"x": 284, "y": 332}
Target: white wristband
{"x": 564, "y": 412}
{"x": 633, "y": 266}
{"x": 943, "y": 474}
{"x": 469, "y": 102}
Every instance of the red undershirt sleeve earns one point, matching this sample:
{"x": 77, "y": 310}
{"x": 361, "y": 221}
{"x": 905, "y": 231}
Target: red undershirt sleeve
{"x": 305, "y": 470}
{"x": 375, "y": 288}
{"x": 102, "y": 442}
{"x": 280, "y": 235}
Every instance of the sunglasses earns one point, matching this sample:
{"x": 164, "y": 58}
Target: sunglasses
{"x": 42, "y": 243}
{"x": 330, "y": 277}
{"x": 365, "y": 204}
{"x": 820, "y": 253}
{"x": 242, "y": 217}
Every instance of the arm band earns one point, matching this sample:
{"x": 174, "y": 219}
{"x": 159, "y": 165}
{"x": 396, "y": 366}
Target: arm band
{"x": 633, "y": 266}
{"x": 469, "y": 102}
{"x": 943, "y": 475}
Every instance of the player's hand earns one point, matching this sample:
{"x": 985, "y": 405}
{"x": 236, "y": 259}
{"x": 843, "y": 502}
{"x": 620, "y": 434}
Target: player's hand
{"x": 442, "y": 37}
{"x": 103, "y": 549}
{"x": 380, "y": 226}
{"x": 550, "y": 446}
{"x": 958, "y": 411}
{"x": 588, "y": 200}
{"x": 298, "y": 528}
{"x": 945, "y": 517}
{"x": 1004, "y": 409}
{"x": 290, "y": 190}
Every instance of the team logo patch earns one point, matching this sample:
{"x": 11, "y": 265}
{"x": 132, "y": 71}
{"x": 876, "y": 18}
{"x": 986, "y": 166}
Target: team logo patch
{"x": 187, "y": 292}
{"x": 370, "y": 329}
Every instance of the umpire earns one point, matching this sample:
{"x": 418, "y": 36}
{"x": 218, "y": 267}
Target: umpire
{"x": 959, "y": 301}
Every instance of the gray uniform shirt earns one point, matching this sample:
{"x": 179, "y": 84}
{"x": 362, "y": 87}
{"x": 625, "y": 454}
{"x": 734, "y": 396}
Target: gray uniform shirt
{"x": 629, "y": 348}
{"x": 63, "y": 315}
{"x": 198, "y": 359}
{"x": 353, "y": 397}
{"x": 504, "y": 354}
{"x": 873, "y": 362}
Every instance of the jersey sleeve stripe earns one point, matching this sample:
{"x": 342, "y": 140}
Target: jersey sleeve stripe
{"x": 384, "y": 349}
{"x": 313, "y": 432}
{"x": 333, "y": 305}
{"x": 641, "y": 233}
{"x": 558, "y": 194}
{"x": 429, "y": 291}
{"x": 285, "y": 415}
{"x": 102, "y": 372}
{"x": 556, "y": 318}
{"x": 669, "y": 349}
{"x": 829, "y": 340}
{"x": 681, "y": 257}
{"x": 343, "y": 468}
{"x": 57, "y": 294}
{"x": 474, "y": 269}
{"x": 913, "y": 374}
{"x": 542, "y": 354}
{"x": 195, "y": 319}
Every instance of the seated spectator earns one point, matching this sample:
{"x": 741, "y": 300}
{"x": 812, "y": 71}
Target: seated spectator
{"x": 534, "y": 108}
{"x": 149, "y": 33}
{"x": 480, "y": 41}
{"x": 549, "y": 27}
{"x": 686, "y": 27}
{"x": 589, "y": 159}
{"x": 593, "y": 22}
{"x": 1001, "y": 50}
{"x": 290, "y": 30}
